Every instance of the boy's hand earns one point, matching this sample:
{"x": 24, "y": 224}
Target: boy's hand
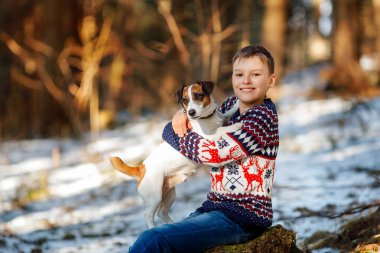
{"x": 180, "y": 123}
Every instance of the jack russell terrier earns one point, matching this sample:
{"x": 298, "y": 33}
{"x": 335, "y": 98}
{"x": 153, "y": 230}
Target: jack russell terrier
{"x": 166, "y": 167}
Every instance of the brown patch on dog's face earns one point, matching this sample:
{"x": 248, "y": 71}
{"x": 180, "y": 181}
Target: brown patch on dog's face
{"x": 199, "y": 96}
{"x": 185, "y": 99}
{"x": 195, "y": 95}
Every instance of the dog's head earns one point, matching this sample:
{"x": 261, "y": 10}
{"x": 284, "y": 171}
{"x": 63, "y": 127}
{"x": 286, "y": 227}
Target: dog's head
{"x": 196, "y": 99}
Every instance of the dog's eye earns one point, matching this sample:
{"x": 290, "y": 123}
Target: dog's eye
{"x": 199, "y": 96}
{"x": 185, "y": 101}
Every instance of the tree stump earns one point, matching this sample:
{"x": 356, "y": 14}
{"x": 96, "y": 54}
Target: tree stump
{"x": 274, "y": 240}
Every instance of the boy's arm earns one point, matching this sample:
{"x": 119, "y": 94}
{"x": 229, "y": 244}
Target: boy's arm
{"x": 228, "y": 108}
{"x": 181, "y": 124}
{"x": 258, "y": 135}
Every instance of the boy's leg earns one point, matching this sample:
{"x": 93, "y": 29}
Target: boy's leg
{"x": 194, "y": 234}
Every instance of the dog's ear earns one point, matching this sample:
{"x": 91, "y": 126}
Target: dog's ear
{"x": 207, "y": 86}
{"x": 179, "y": 93}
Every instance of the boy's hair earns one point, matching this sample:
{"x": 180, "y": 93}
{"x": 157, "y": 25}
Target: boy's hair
{"x": 250, "y": 51}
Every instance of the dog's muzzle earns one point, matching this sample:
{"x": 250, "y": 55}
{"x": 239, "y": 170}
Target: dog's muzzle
{"x": 191, "y": 112}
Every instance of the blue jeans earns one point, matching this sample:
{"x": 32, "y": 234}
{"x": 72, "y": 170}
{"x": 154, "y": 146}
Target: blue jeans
{"x": 197, "y": 233}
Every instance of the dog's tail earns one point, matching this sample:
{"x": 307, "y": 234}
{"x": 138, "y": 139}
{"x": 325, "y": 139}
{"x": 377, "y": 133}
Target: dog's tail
{"x": 137, "y": 172}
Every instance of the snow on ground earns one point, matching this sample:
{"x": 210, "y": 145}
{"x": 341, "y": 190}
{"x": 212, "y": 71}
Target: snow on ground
{"x": 61, "y": 195}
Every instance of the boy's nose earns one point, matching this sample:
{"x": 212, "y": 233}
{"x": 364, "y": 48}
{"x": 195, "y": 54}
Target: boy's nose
{"x": 246, "y": 79}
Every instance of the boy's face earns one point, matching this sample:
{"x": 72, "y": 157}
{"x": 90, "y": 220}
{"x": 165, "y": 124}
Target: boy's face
{"x": 251, "y": 80}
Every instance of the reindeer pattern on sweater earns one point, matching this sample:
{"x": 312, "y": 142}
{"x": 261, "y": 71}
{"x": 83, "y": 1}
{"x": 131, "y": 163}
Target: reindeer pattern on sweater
{"x": 243, "y": 163}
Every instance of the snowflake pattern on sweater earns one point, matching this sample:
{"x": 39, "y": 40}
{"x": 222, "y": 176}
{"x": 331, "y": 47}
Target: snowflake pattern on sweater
{"x": 243, "y": 163}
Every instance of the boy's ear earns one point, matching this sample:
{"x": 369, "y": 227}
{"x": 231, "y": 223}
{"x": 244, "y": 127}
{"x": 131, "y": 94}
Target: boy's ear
{"x": 207, "y": 87}
{"x": 179, "y": 93}
{"x": 272, "y": 80}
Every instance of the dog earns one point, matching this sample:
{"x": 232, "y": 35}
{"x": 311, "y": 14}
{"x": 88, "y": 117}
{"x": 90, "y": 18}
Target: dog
{"x": 166, "y": 167}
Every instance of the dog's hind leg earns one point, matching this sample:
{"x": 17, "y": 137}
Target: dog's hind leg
{"x": 152, "y": 202}
{"x": 150, "y": 211}
{"x": 166, "y": 203}
{"x": 150, "y": 190}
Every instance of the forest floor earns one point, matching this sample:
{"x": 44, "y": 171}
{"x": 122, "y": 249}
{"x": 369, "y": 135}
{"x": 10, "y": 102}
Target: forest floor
{"x": 61, "y": 195}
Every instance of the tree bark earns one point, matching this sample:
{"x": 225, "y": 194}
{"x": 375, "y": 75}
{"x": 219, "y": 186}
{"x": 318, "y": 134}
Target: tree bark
{"x": 274, "y": 31}
{"x": 246, "y": 12}
{"x": 347, "y": 78}
{"x": 376, "y": 6}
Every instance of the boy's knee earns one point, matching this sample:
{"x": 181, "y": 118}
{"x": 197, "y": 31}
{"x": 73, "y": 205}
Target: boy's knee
{"x": 149, "y": 235}
{"x": 150, "y": 240}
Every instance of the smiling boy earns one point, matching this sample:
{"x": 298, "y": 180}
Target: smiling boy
{"x": 251, "y": 79}
{"x": 238, "y": 206}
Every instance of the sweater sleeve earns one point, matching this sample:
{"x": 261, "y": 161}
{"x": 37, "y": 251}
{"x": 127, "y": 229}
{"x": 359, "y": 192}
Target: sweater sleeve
{"x": 258, "y": 135}
{"x": 228, "y": 109}
{"x": 228, "y": 105}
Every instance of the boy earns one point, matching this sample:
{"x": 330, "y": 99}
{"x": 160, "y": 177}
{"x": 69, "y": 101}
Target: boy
{"x": 239, "y": 205}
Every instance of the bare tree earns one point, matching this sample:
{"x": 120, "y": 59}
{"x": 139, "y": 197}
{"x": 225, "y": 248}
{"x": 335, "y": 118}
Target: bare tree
{"x": 208, "y": 39}
{"x": 70, "y": 75}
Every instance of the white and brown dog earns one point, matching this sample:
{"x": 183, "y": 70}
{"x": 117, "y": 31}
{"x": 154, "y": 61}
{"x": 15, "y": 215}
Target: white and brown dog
{"x": 165, "y": 167}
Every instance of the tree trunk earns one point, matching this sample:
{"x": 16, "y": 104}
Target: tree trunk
{"x": 274, "y": 29}
{"x": 347, "y": 78}
{"x": 376, "y": 5}
{"x": 246, "y": 18}
{"x": 346, "y": 34}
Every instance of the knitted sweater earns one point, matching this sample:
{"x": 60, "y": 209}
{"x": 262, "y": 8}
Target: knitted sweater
{"x": 243, "y": 164}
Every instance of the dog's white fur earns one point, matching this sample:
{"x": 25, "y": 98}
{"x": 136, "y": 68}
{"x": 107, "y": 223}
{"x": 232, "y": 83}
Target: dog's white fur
{"x": 165, "y": 167}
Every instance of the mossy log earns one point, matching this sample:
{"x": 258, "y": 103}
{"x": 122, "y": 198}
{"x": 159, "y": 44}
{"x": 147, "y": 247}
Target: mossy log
{"x": 361, "y": 234}
{"x": 274, "y": 240}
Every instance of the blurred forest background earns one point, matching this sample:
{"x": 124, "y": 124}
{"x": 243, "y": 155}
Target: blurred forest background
{"x": 70, "y": 66}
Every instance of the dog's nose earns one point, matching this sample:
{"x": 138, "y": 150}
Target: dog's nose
{"x": 191, "y": 112}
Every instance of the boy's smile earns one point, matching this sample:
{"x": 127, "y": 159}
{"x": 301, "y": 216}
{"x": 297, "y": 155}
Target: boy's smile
{"x": 251, "y": 80}
{"x": 247, "y": 89}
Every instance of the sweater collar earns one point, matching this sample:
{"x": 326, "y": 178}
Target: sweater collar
{"x": 267, "y": 103}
